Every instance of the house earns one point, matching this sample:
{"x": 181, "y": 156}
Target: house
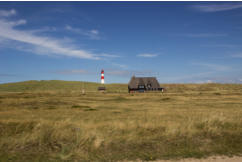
{"x": 142, "y": 84}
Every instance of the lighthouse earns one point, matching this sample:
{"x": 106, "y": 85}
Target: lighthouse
{"x": 102, "y": 77}
{"x": 102, "y": 88}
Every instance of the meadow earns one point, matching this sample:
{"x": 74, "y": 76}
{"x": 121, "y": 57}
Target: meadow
{"x": 56, "y": 121}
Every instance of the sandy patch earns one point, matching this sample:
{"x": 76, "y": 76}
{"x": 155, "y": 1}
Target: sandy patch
{"x": 209, "y": 159}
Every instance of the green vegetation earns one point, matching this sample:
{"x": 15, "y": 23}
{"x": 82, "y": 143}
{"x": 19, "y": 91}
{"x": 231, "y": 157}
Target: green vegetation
{"x": 58, "y": 86}
{"x": 55, "y": 121}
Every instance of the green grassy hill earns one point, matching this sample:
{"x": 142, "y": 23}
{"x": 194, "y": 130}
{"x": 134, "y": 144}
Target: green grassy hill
{"x": 63, "y": 86}
{"x": 58, "y": 85}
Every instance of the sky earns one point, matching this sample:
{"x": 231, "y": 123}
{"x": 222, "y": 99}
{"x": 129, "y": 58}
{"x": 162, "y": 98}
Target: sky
{"x": 177, "y": 42}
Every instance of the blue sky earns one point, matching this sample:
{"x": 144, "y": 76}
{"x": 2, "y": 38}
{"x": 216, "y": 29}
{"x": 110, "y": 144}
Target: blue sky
{"x": 177, "y": 42}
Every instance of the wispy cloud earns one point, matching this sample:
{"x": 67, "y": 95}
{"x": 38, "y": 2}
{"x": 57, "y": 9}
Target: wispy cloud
{"x": 40, "y": 44}
{"x": 129, "y": 73}
{"x": 237, "y": 55}
{"x": 203, "y": 35}
{"x": 44, "y": 29}
{"x": 222, "y": 45}
{"x": 54, "y": 46}
{"x": 92, "y": 34}
{"x": 201, "y": 77}
{"x": 7, "y": 13}
{"x": 7, "y": 75}
{"x": 123, "y": 66}
{"x": 184, "y": 78}
{"x": 220, "y": 79}
{"x": 109, "y": 55}
{"x": 118, "y": 72}
{"x": 149, "y": 55}
{"x": 108, "y": 72}
{"x": 204, "y": 81}
{"x": 76, "y": 71}
{"x": 217, "y": 7}
{"x": 214, "y": 67}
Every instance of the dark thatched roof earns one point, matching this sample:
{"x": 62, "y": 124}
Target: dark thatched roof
{"x": 136, "y": 81}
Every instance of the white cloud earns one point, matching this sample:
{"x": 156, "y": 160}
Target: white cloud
{"x": 7, "y": 13}
{"x": 51, "y": 45}
{"x": 147, "y": 55}
{"x": 39, "y": 44}
{"x": 92, "y": 34}
{"x": 217, "y": 7}
{"x": 16, "y": 23}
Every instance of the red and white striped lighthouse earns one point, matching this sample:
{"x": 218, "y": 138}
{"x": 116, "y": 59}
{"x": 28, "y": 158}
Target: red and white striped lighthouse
{"x": 102, "y": 77}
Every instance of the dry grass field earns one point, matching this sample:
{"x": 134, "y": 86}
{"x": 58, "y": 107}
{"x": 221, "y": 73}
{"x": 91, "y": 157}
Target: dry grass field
{"x": 54, "y": 121}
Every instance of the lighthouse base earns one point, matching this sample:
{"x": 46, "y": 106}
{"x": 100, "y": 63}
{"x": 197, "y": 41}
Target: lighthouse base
{"x": 101, "y": 89}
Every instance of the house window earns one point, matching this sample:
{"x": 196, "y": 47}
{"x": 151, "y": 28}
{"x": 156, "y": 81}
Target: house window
{"x": 141, "y": 87}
